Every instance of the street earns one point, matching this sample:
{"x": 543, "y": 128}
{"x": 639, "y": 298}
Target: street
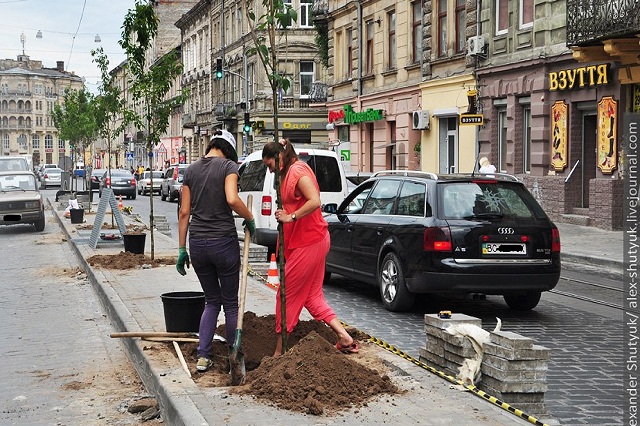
{"x": 59, "y": 364}
{"x": 585, "y": 369}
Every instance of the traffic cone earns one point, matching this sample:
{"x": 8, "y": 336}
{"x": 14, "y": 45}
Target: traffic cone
{"x": 272, "y": 276}
{"x": 120, "y": 205}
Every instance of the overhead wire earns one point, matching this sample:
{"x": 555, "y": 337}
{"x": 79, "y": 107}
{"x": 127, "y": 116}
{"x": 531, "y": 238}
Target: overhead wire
{"x": 76, "y": 33}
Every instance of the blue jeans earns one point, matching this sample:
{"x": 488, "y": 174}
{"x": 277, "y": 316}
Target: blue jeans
{"x": 216, "y": 261}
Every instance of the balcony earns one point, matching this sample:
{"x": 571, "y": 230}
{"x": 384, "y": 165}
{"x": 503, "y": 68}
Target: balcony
{"x": 188, "y": 120}
{"x": 591, "y": 21}
{"x": 225, "y": 110}
{"x": 294, "y": 103}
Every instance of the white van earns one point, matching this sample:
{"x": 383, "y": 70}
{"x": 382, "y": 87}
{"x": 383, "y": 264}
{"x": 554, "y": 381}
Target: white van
{"x": 257, "y": 180}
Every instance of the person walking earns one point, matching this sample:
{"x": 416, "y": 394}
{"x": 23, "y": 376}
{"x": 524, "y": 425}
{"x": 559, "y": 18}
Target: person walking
{"x": 306, "y": 245}
{"x": 209, "y": 198}
{"x": 486, "y": 166}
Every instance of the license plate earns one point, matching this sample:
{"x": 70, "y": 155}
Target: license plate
{"x": 503, "y": 248}
{"x": 121, "y": 184}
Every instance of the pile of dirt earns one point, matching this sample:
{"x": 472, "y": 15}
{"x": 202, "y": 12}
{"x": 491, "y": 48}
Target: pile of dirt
{"x": 127, "y": 260}
{"x": 311, "y": 377}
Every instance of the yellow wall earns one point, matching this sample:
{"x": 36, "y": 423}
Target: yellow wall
{"x": 448, "y": 93}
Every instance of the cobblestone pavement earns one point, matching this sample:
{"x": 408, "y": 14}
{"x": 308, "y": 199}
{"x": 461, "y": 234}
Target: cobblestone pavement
{"x": 58, "y": 364}
{"x": 586, "y": 366}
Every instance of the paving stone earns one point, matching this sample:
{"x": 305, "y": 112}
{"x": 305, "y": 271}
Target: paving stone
{"x": 511, "y": 340}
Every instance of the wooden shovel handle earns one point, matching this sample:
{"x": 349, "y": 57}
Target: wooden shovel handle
{"x": 245, "y": 270}
{"x": 151, "y": 334}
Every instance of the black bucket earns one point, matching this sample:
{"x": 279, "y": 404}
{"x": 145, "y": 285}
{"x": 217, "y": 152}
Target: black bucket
{"x": 182, "y": 310}
{"x": 134, "y": 243}
{"x": 77, "y": 215}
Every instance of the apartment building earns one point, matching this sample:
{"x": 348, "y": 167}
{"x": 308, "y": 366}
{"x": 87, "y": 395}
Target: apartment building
{"x": 376, "y": 58}
{"x": 28, "y": 93}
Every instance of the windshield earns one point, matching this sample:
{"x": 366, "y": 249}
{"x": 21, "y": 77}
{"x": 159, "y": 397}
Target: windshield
{"x": 17, "y": 183}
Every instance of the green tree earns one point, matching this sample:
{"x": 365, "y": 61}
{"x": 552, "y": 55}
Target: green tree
{"x": 269, "y": 32}
{"x": 149, "y": 85}
{"x": 75, "y": 120}
{"x": 109, "y": 105}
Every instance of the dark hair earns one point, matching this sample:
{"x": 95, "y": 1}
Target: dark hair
{"x": 289, "y": 155}
{"x": 224, "y": 146}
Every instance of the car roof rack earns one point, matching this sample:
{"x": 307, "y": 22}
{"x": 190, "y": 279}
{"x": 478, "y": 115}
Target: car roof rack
{"x": 506, "y": 176}
{"x": 408, "y": 173}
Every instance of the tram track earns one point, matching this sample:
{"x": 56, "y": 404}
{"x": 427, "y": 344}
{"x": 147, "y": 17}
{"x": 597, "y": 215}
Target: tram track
{"x": 599, "y": 286}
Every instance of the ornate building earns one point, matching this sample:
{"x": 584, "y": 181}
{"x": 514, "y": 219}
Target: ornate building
{"x": 28, "y": 93}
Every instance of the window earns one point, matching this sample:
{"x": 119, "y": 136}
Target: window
{"x": 349, "y": 59}
{"x": 391, "y": 19}
{"x": 526, "y": 139}
{"x": 416, "y": 35}
{"x": 35, "y": 141}
{"x": 22, "y": 142}
{"x": 5, "y": 141}
{"x": 502, "y": 16}
{"x": 526, "y": 13}
{"x": 382, "y": 198}
{"x": 502, "y": 139}
{"x": 307, "y": 76}
{"x": 461, "y": 22}
{"x": 412, "y": 199}
{"x": 442, "y": 27}
{"x": 60, "y": 144}
{"x": 369, "y": 57}
{"x": 343, "y": 133}
{"x": 306, "y": 19}
{"x": 48, "y": 142}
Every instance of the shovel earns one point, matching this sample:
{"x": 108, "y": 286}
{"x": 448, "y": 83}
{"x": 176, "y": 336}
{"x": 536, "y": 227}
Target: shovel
{"x": 236, "y": 357}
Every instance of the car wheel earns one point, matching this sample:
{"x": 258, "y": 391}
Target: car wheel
{"x": 393, "y": 289}
{"x": 523, "y": 301}
{"x": 162, "y": 196}
{"x": 172, "y": 198}
{"x": 39, "y": 224}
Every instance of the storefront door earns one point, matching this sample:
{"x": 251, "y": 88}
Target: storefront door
{"x": 588, "y": 157}
{"x": 448, "y": 145}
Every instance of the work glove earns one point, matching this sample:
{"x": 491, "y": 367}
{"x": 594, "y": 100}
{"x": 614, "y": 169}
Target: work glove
{"x": 183, "y": 259}
{"x": 251, "y": 226}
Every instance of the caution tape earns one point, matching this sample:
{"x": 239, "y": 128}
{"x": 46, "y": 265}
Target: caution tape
{"x": 478, "y": 392}
{"x": 454, "y": 380}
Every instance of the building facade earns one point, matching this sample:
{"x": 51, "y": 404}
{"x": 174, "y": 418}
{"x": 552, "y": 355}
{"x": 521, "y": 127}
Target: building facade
{"x": 28, "y": 93}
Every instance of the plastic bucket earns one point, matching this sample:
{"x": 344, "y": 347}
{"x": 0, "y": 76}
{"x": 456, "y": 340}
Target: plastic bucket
{"x": 134, "y": 243}
{"x": 77, "y": 215}
{"x": 182, "y": 310}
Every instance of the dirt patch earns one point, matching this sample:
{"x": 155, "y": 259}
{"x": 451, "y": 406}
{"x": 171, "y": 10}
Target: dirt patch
{"x": 127, "y": 260}
{"x": 311, "y": 377}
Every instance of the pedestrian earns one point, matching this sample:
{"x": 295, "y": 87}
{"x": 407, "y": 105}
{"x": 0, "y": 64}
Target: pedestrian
{"x": 209, "y": 198}
{"x": 306, "y": 245}
{"x": 486, "y": 166}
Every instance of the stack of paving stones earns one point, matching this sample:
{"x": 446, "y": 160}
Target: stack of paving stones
{"x": 513, "y": 369}
{"x": 162, "y": 224}
{"x": 445, "y": 351}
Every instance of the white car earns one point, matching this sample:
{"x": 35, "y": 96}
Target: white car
{"x": 144, "y": 182}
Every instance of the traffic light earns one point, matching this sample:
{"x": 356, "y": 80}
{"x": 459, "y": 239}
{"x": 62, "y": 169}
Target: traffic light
{"x": 219, "y": 71}
{"x": 247, "y": 123}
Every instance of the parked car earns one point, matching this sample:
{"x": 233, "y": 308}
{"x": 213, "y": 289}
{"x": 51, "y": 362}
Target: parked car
{"x": 144, "y": 182}
{"x": 11, "y": 163}
{"x": 51, "y": 176}
{"x": 20, "y": 200}
{"x": 96, "y": 176}
{"x": 256, "y": 179}
{"x": 121, "y": 181}
{"x": 445, "y": 234}
{"x": 172, "y": 182}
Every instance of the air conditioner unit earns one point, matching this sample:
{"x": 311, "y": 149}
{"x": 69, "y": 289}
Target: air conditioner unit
{"x": 475, "y": 45}
{"x": 421, "y": 120}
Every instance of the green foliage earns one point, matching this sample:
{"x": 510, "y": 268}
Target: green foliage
{"x": 322, "y": 40}
{"x": 75, "y": 119}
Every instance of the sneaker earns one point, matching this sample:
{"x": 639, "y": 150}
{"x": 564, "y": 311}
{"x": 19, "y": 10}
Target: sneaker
{"x": 203, "y": 364}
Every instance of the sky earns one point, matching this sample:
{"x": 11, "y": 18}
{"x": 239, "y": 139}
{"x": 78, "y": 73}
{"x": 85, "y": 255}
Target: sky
{"x": 68, "y": 33}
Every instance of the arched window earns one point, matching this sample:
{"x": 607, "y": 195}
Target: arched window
{"x": 48, "y": 142}
{"x": 22, "y": 142}
{"x": 35, "y": 141}
{"x": 5, "y": 141}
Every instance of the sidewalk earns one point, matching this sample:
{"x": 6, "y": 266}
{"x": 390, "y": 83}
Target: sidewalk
{"x": 132, "y": 301}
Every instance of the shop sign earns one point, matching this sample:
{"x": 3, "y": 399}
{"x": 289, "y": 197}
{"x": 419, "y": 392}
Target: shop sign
{"x": 295, "y": 126}
{"x": 473, "y": 119}
{"x": 607, "y": 134}
{"x": 578, "y": 78}
{"x": 352, "y": 117}
{"x": 559, "y": 129}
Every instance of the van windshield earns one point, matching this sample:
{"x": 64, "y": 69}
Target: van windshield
{"x": 326, "y": 170}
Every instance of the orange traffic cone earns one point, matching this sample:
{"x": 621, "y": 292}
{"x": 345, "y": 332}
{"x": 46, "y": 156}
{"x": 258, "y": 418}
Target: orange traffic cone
{"x": 120, "y": 205}
{"x": 272, "y": 276}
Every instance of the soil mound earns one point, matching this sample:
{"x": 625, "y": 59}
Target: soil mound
{"x": 127, "y": 260}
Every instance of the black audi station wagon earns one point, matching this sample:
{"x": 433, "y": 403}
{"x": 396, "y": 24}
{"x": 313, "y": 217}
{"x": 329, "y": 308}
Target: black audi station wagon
{"x": 418, "y": 232}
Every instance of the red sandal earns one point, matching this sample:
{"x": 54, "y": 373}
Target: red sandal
{"x": 351, "y": 349}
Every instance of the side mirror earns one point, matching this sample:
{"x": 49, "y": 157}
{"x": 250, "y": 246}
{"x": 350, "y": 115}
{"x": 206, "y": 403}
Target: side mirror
{"x": 330, "y": 208}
